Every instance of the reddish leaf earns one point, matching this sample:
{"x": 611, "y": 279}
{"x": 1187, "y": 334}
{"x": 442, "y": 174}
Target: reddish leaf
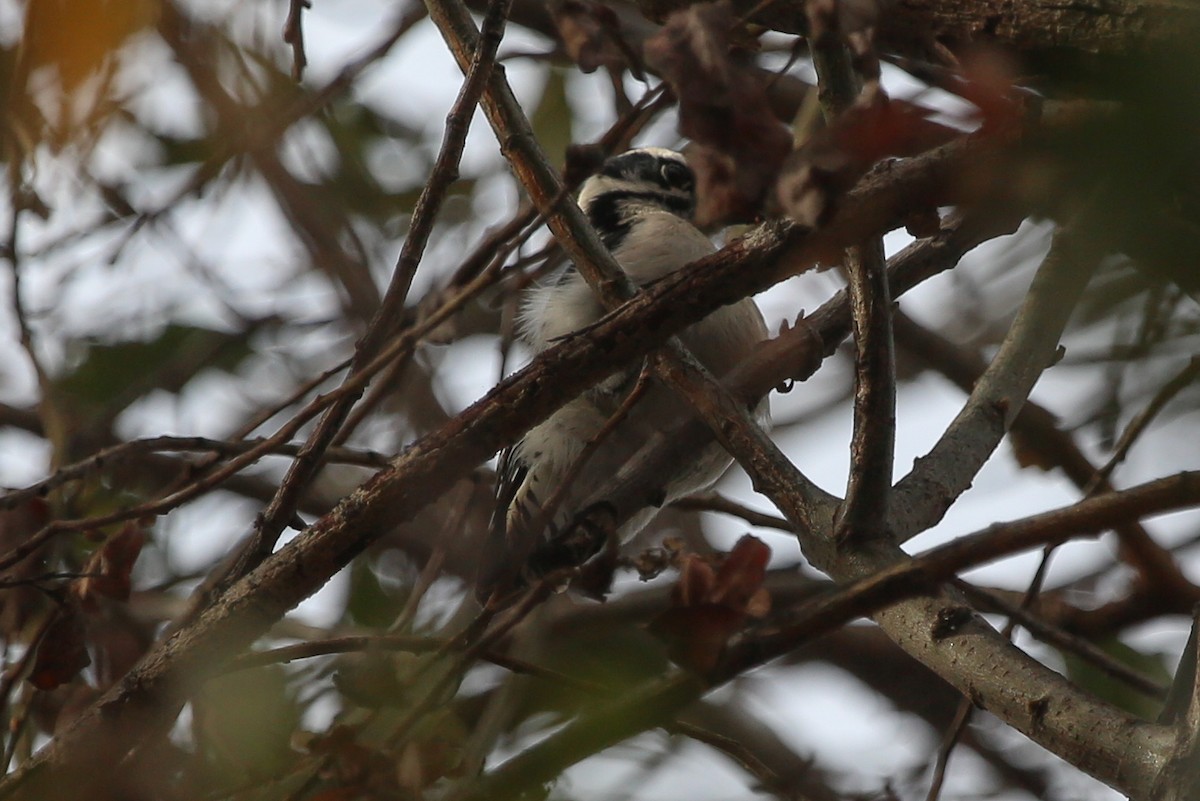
{"x": 117, "y": 640}
{"x": 742, "y": 574}
{"x": 835, "y": 158}
{"x": 696, "y": 635}
{"x": 759, "y": 603}
{"x": 989, "y": 78}
{"x": 710, "y": 606}
{"x": 1031, "y": 454}
{"x": 62, "y": 653}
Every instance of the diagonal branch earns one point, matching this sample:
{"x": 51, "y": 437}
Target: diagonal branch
{"x": 1036, "y": 428}
{"x": 1181, "y": 780}
{"x": 774, "y": 362}
{"x": 941, "y": 476}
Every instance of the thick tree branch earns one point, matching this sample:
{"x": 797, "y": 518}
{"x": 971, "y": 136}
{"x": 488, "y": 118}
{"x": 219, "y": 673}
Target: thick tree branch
{"x": 1012, "y": 693}
{"x": 819, "y": 336}
{"x": 1181, "y": 780}
{"x": 864, "y": 513}
{"x": 1046, "y": 33}
{"x": 940, "y": 477}
{"x": 1036, "y": 430}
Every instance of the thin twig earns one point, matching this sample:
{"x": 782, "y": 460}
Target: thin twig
{"x": 1065, "y": 641}
{"x": 1089, "y": 517}
{"x": 125, "y": 450}
{"x": 545, "y": 514}
{"x": 18, "y": 200}
{"x": 16, "y": 672}
{"x": 293, "y": 34}
{"x": 244, "y": 139}
{"x": 392, "y": 642}
{"x": 652, "y": 704}
{"x": 715, "y": 502}
{"x": 736, "y": 751}
{"x": 1142, "y": 420}
{"x": 488, "y": 258}
{"x": 963, "y": 714}
{"x": 352, "y": 384}
{"x": 153, "y": 689}
{"x": 730, "y": 419}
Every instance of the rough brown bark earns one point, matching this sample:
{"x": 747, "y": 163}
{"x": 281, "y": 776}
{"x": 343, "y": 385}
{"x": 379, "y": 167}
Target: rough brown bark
{"x": 1041, "y": 31}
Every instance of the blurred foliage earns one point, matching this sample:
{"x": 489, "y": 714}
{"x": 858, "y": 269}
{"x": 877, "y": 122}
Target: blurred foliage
{"x": 76, "y": 38}
{"x": 107, "y": 377}
{"x": 243, "y": 723}
{"x": 368, "y": 603}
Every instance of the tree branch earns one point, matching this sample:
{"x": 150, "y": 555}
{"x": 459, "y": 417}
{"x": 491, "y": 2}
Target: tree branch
{"x": 1049, "y": 34}
{"x": 938, "y": 478}
{"x": 1181, "y": 780}
{"x": 731, "y": 421}
{"x": 1036, "y": 429}
{"x": 445, "y": 171}
{"x": 864, "y": 513}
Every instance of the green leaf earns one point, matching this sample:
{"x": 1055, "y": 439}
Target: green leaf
{"x": 553, "y": 118}
{"x": 607, "y": 655}
{"x": 243, "y": 722}
{"x": 368, "y": 603}
{"x": 1096, "y": 681}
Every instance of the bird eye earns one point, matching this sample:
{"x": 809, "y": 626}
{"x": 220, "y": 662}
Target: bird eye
{"x": 676, "y": 175}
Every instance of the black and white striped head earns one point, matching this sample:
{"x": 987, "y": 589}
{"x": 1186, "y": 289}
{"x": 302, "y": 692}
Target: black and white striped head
{"x": 647, "y": 179}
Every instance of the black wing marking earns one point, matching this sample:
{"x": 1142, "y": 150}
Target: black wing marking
{"x": 510, "y": 474}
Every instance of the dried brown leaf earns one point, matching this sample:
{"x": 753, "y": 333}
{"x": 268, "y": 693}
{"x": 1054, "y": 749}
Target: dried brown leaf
{"x": 723, "y": 109}
{"x": 833, "y": 160}
{"x": 62, "y": 653}
{"x": 696, "y": 635}
{"x": 696, "y": 580}
{"x": 590, "y": 33}
{"x": 742, "y": 574}
{"x": 710, "y": 606}
{"x": 109, "y": 570}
